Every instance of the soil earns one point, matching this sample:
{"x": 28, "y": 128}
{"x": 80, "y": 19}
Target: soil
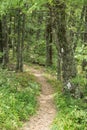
{"x": 46, "y": 111}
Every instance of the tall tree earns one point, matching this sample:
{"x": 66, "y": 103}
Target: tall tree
{"x": 65, "y": 44}
{"x": 49, "y": 38}
{"x": 5, "y": 41}
{"x": 1, "y": 43}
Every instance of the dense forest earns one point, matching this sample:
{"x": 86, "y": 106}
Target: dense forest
{"x": 47, "y": 37}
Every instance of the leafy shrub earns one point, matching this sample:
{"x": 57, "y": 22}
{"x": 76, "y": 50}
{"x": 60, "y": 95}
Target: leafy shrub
{"x": 81, "y": 53}
{"x": 72, "y": 114}
{"x": 17, "y": 98}
{"x": 81, "y": 82}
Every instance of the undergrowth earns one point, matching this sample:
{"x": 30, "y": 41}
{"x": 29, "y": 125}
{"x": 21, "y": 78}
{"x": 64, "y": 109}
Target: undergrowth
{"x": 18, "y": 102}
{"x": 72, "y": 113}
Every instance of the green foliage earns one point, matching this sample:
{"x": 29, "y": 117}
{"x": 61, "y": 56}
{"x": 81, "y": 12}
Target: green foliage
{"x": 81, "y": 53}
{"x": 18, "y": 91}
{"x": 72, "y": 114}
{"x": 79, "y": 80}
{"x": 36, "y": 52}
{"x": 17, "y": 98}
{"x": 1, "y": 54}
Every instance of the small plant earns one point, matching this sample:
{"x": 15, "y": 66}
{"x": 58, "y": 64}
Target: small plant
{"x": 17, "y": 98}
{"x": 81, "y": 82}
{"x": 72, "y": 114}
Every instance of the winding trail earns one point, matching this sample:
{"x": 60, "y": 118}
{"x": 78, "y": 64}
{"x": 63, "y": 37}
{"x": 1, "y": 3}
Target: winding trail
{"x": 47, "y": 111}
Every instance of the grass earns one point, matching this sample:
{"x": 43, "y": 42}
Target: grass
{"x": 71, "y": 112}
{"x": 18, "y": 94}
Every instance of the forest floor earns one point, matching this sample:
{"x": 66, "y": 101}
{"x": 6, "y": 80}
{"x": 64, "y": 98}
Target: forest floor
{"x": 46, "y": 111}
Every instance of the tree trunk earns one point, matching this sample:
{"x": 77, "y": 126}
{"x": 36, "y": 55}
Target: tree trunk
{"x": 65, "y": 46}
{"x": 22, "y": 42}
{"x": 5, "y": 42}
{"x": 85, "y": 35}
{"x": 19, "y": 65}
{"x": 49, "y": 39}
{"x": 1, "y": 43}
{"x": 18, "y": 42}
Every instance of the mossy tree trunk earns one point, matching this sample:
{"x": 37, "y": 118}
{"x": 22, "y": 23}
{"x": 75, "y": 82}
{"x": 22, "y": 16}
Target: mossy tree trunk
{"x": 5, "y": 41}
{"x": 1, "y": 43}
{"x": 49, "y": 39}
{"x": 20, "y": 40}
{"x": 64, "y": 44}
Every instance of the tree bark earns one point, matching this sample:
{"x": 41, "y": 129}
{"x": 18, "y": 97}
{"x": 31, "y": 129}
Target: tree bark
{"x": 49, "y": 39}
{"x": 65, "y": 46}
{"x": 1, "y": 43}
{"x": 5, "y": 41}
{"x": 19, "y": 65}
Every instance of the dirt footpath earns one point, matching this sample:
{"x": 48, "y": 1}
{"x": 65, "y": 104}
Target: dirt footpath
{"x": 46, "y": 112}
